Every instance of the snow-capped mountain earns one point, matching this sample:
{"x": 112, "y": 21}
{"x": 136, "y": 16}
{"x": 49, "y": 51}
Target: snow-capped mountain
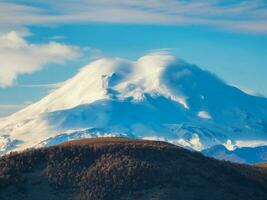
{"x": 156, "y": 97}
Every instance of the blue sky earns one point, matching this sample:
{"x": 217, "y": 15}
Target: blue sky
{"x": 43, "y": 43}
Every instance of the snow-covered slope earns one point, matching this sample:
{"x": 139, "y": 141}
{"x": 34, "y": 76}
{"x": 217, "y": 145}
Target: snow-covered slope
{"x": 157, "y": 96}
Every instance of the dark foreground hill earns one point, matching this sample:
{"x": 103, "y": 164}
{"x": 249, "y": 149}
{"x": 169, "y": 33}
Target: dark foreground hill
{"x": 263, "y": 165}
{"x": 121, "y": 169}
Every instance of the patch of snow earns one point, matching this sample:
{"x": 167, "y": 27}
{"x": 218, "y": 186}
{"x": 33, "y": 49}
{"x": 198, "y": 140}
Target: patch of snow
{"x": 229, "y": 145}
{"x": 138, "y": 95}
{"x": 182, "y": 101}
{"x": 204, "y": 115}
{"x": 156, "y": 138}
{"x": 193, "y": 142}
{"x": 7, "y": 143}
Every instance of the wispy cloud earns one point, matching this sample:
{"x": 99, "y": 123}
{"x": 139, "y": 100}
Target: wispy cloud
{"x": 57, "y": 37}
{"x": 7, "y": 109}
{"x": 243, "y": 15}
{"x": 19, "y": 56}
{"x": 48, "y": 85}
{"x": 160, "y": 51}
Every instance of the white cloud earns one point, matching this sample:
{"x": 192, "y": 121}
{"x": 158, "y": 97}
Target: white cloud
{"x": 20, "y": 57}
{"x": 245, "y": 15}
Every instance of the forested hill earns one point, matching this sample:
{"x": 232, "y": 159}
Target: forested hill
{"x": 118, "y": 168}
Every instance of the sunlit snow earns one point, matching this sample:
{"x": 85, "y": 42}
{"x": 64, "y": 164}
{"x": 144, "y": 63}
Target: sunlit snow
{"x": 157, "y": 96}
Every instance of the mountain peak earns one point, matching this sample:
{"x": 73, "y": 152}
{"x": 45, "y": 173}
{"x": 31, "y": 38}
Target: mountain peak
{"x": 108, "y": 76}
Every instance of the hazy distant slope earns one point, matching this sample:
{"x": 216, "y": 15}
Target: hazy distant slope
{"x": 116, "y": 168}
{"x": 157, "y": 96}
{"x": 251, "y": 155}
